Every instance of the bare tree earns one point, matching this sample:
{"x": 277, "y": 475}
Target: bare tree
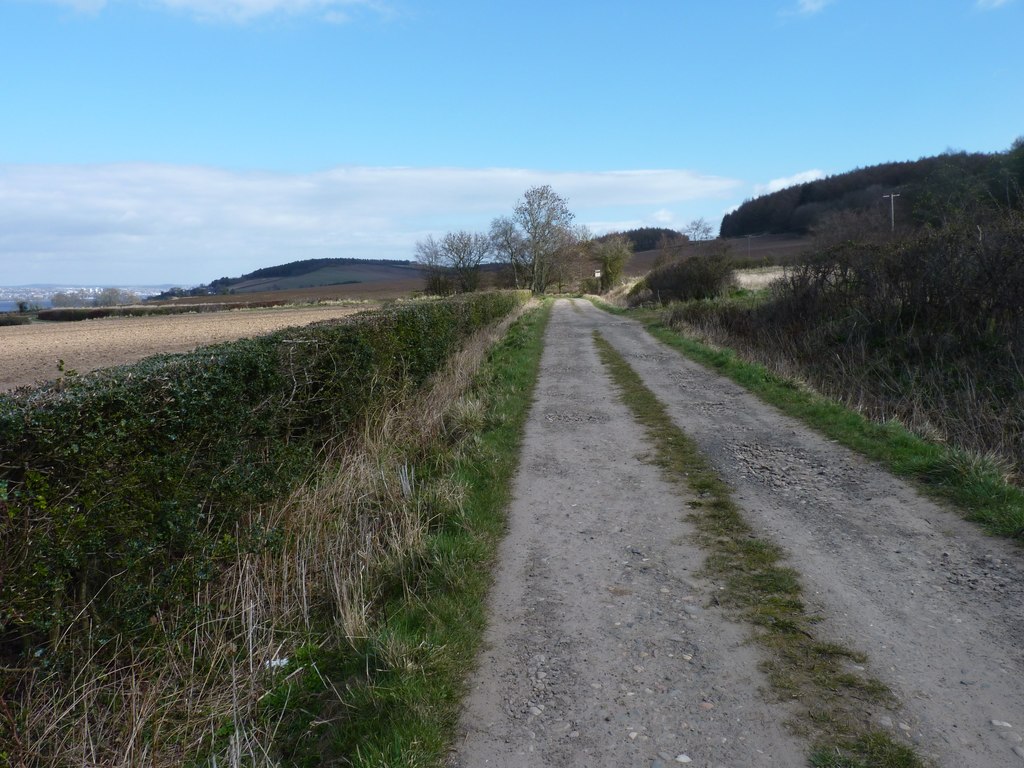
{"x": 453, "y": 262}
{"x": 463, "y": 253}
{"x": 509, "y": 248}
{"x": 670, "y": 247}
{"x": 430, "y": 257}
{"x": 545, "y": 222}
{"x": 699, "y": 229}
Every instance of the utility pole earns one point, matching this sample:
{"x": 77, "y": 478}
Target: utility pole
{"x": 892, "y": 208}
{"x": 749, "y": 238}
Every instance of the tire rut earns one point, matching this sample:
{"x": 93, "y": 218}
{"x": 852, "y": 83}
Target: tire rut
{"x": 936, "y": 604}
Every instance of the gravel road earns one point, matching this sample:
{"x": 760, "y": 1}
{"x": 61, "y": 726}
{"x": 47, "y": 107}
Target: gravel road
{"x": 602, "y": 648}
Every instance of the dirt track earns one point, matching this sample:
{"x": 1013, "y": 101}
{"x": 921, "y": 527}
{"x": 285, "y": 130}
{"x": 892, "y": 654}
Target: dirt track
{"x": 29, "y": 353}
{"x": 602, "y": 649}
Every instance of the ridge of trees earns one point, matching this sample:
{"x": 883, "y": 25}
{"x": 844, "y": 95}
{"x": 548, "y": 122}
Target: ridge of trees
{"x": 929, "y": 189}
{"x": 643, "y": 238}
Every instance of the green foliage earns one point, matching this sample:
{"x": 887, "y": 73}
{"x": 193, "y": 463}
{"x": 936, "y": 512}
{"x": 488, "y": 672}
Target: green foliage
{"x": 698, "y": 277}
{"x": 124, "y": 490}
{"x": 611, "y": 255}
{"x": 9, "y": 318}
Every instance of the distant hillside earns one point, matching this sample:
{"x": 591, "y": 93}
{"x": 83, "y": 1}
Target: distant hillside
{"x": 309, "y": 273}
{"x": 929, "y": 189}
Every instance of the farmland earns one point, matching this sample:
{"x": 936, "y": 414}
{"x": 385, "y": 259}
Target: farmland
{"x": 30, "y": 353}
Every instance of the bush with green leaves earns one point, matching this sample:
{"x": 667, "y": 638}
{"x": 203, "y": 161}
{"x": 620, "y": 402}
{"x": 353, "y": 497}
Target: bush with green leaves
{"x": 122, "y": 491}
{"x": 697, "y": 277}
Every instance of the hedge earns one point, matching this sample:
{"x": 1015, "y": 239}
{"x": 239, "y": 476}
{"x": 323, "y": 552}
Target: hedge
{"x": 75, "y": 314}
{"x": 121, "y": 490}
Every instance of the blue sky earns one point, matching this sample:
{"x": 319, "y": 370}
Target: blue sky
{"x": 177, "y": 141}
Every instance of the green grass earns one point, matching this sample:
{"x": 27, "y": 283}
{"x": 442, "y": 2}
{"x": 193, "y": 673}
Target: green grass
{"x": 835, "y": 703}
{"x": 974, "y": 486}
{"x": 394, "y": 698}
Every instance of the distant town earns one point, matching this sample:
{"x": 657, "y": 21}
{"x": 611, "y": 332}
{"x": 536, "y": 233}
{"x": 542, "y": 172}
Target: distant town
{"x": 38, "y": 296}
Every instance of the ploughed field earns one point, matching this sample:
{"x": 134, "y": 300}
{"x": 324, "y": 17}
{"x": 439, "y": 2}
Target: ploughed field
{"x": 31, "y": 353}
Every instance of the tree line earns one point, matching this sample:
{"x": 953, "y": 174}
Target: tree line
{"x": 538, "y": 247}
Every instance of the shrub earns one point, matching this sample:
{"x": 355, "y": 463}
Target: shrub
{"x": 929, "y": 328}
{"x": 698, "y": 277}
{"x": 8, "y": 318}
{"x": 122, "y": 491}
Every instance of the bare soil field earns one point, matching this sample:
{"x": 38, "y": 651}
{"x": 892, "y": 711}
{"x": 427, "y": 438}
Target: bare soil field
{"x": 30, "y": 353}
{"x": 764, "y": 247}
{"x": 377, "y": 290}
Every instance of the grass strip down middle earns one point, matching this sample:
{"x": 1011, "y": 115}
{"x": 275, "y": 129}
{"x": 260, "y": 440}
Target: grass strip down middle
{"x": 835, "y": 702}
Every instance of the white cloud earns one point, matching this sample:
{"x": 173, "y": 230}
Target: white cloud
{"x": 334, "y": 11}
{"x": 788, "y": 181}
{"x": 140, "y": 223}
{"x": 988, "y": 5}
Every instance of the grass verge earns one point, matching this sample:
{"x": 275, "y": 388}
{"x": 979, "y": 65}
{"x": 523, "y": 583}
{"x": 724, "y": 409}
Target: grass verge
{"x": 391, "y": 697}
{"x": 973, "y": 485}
{"x": 835, "y": 702}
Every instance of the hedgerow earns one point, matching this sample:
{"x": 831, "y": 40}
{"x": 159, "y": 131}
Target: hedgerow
{"x": 123, "y": 491}
{"x": 74, "y": 314}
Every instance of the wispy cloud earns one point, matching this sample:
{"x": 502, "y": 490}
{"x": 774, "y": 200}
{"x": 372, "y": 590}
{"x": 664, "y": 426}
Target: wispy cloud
{"x": 335, "y": 11}
{"x": 810, "y": 7}
{"x": 988, "y": 5}
{"x": 140, "y": 223}
{"x": 788, "y": 181}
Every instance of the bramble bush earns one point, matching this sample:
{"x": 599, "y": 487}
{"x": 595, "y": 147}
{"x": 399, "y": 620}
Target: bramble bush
{"x": 123, "y": 491}
{"x": 928, "y": 328}
{"x": 697, "y": 277}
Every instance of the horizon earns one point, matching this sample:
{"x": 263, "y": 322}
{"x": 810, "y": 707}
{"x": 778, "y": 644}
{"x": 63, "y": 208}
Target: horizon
{"x": 353, "y": 128}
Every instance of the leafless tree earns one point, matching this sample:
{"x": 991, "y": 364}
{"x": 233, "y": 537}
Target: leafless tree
{"x": 453, "y": 262}
{"x": 509, "y": 248}
{"x": 463, "y": 253}
{"x": 699, "y": 229}
{"x": 545, "y": 223}
{"x": 430, "y": 257}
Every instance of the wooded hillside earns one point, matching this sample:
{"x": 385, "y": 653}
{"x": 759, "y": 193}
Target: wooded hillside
{"x": 928, "y": 189}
